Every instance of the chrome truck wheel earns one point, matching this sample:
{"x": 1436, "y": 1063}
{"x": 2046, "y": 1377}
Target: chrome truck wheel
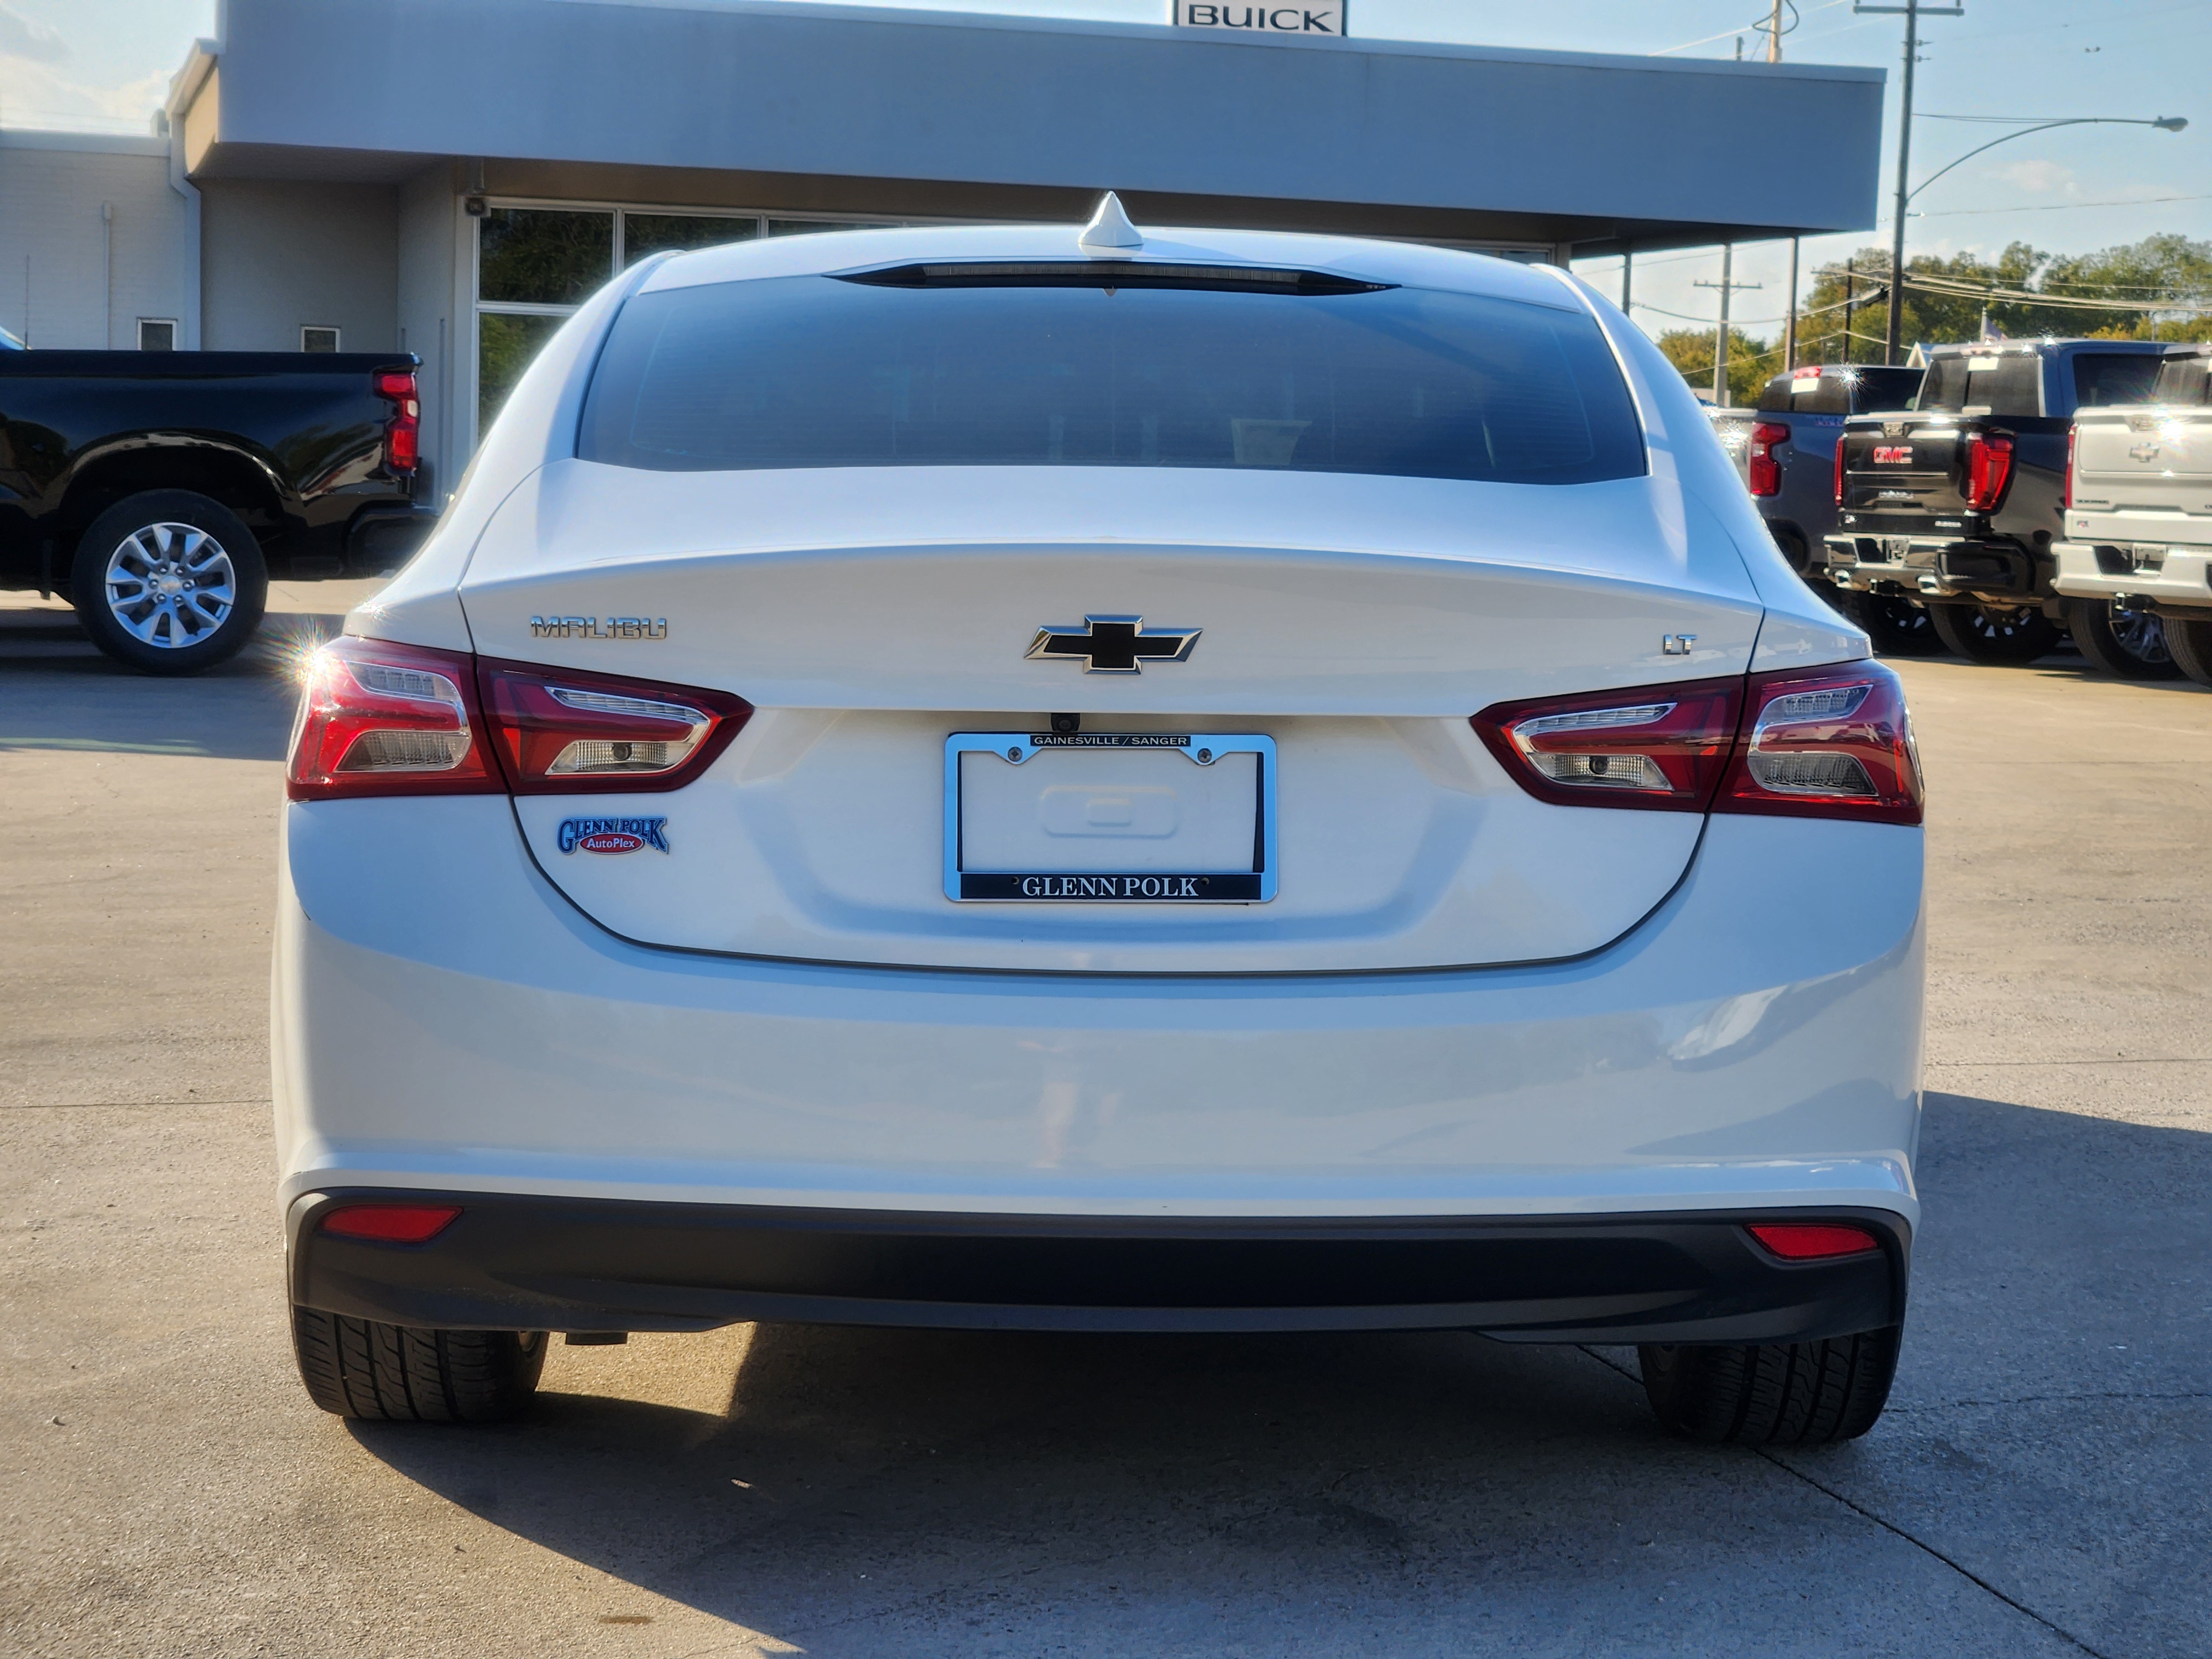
{"x": 169, "y": 581}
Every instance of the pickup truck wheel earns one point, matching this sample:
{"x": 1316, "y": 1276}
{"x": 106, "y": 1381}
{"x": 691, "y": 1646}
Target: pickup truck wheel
{"x": 169, "y": 582}
{"x": 2190, "y": 644}
{"x": 1898, "y": 628}
{"x": 362, "y": 1368}
{"x": 1783, "y": 1394}
{"x": 2127, "y": 644}
{"x": 1982, "y": 633}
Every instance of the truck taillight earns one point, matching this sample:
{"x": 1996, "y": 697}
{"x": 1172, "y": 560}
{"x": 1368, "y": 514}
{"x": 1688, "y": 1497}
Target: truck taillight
{"x": 1839, "y": 469}
{"x": 2066, "y": 490}
{"x": 1988, "y": 470}
{"x": 562, "y": 733}
{"x": 377, "y": 718}
{"x": 403, "y": 432}
{"x": 1832, "y": 743}
{"x": 1767, "y": 472}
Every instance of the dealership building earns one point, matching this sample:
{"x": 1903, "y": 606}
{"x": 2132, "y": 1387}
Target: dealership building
{"x": 450, "y": 177}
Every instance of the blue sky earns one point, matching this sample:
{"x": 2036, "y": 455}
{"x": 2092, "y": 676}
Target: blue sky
{"x": 102, "y": 64}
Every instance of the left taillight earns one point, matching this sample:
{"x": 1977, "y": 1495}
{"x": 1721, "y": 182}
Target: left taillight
{"x": 1766, "y": 472}
{"x": 377, "y": 718}
{"x": 403, "y": 432}
{"x": 1832, "y": 743}
{"x": 562, "y": 733}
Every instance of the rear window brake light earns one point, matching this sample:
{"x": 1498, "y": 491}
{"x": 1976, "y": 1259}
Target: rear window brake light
{"x": 1111, "y": 273}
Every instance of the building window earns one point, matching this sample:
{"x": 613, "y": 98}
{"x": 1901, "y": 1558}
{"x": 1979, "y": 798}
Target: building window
{"x": 536, "y": 264}
{"x": 314, "y": 337}
{"x": 157, "y": 334}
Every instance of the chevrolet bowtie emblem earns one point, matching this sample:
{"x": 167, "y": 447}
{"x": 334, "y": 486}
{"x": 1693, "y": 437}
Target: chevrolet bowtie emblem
{"x": 1114, "y": 645}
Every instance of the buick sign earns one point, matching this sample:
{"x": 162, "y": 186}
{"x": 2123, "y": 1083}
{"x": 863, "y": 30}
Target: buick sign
{"x": 1258, "y": 19}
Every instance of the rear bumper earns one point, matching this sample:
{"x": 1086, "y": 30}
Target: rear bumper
{"x": 2170, "y": 576}
{"x": 444, "y": 1021}
{"x": 527, "y": 1263}
{"x": 1936, "y": 567}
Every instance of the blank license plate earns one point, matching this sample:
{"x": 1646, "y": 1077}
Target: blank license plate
{"x": 1109, "y": 817}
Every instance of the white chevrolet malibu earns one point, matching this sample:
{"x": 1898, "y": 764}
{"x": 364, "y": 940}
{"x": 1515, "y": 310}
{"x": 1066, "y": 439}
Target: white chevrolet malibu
{"x": 1028, "y": 779}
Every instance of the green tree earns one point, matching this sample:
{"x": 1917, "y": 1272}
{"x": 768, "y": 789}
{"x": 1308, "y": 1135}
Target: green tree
{"x": 1751, "y": 362}
{"x": 2159, "y": 267}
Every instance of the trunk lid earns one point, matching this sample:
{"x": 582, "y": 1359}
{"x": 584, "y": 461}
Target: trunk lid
{"x": 1346, "y": 629}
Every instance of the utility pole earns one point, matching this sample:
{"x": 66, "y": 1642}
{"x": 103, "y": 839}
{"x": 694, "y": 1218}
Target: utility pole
{"x": 1913, "y": 11}
{"x": 1850, "y": 310}
{"x": 1727, "y": 287}
{"x": 1774, "y": 35}
{"x": 1789, "y": 330}
{"x": 1627, "y": 264}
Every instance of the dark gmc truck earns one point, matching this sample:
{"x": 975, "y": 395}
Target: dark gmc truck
{"x": 1790, "y": 463}
{"x": 159, "y": 491}
{"x": 1952, "y": 506}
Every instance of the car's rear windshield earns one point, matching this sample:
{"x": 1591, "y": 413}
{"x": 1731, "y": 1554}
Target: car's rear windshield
{"x": 817, "y": 371}
{"x": 2006, "y": 384}
{"x": 1842, "y": 390}
{"x": 2184, "y": 380}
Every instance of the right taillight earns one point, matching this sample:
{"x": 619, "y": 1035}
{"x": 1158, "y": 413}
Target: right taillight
{"x": 1766, "y": 472}
{"x": 1832, "y": 743}
{"x": 1825, "y": 742}
{"x": 1840, "y": 469}
{"x": 1988, "y": 470}
{"x": 1658, "y": 747}
{"x": 403, "y": 432}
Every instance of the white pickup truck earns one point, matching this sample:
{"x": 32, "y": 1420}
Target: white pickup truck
{"x": 2138, "y": 513}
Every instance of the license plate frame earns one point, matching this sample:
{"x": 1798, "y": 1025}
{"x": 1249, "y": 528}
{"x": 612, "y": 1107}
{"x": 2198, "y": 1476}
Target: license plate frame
{"x": 1258, "y": 885}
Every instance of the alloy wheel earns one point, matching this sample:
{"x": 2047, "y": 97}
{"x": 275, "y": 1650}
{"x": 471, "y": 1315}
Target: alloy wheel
{"x": 170, "y": 586}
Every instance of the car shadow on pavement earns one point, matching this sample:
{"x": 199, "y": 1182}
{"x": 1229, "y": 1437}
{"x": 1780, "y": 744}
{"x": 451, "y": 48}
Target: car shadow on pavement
{"x": 864, "y": 1488}
{"x": 59, "y": 692}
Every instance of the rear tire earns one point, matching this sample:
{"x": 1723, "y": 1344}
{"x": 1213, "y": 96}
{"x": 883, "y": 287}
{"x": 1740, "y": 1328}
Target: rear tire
{"x": 363, "y": 1369}
{"x": 2128, "y": 645}
{"x": 1982, "y": 633}
{"x": 2190, "y": 644}
{"x": 169, "y": 581}
{"x": 1897, "y": 627}
{"x": 1794, "y": 1394}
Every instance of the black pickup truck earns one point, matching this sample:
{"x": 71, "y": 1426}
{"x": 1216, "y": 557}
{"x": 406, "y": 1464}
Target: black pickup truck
{"x": 159, "y": 491}
{"x": 1954, "y": 504}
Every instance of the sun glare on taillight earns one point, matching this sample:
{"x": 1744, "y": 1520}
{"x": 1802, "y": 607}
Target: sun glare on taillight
{"x": 1825, "y": 742}
{"x": 1661, "y": 747}
{"x": 558, "y": 732}
{"x": 1833, "y": 743}
{"x": 403, "y": 432}
{"x": 377, "y": 718}
{"x": 1988, "y": 470}
{"x": 1766, "y": 472}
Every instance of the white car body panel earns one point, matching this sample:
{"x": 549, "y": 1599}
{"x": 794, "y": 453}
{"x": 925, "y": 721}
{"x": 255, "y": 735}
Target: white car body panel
{"x": 444, "y": 1021}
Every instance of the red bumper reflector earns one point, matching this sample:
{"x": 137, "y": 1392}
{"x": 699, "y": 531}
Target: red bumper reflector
{"x": 390, "y": 1224}
{"x": 1812, "y": 1241}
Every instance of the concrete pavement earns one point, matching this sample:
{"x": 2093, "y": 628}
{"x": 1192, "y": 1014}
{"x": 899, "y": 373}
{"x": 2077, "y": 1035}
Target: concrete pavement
{"x": 2039, "y": 1485}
